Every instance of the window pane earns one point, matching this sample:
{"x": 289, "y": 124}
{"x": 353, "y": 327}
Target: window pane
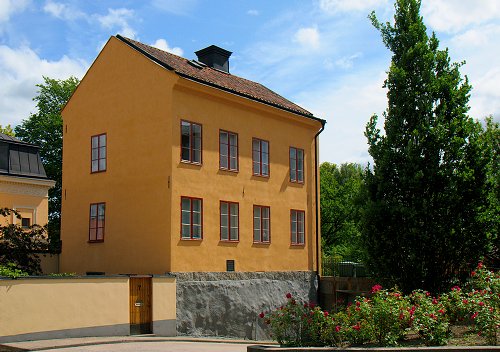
{"x": 224, "y": 233}
{"x": 100, "y": 210}
{"x": 265, "y": 158}
{"x": 223, "y": 208}
{"x": 196, "y": 156}
{"x": 265, "y": 169}
{"x": 265, "y": 212}
{"x": 233, "y": 139}
{"x": 234, "y": 164}
{"x": 196, "y": 231}
{"x": 265, "y": 147}
{"x": 102, "y": 140}
{"x": 93, "y": 223}
{"x": 186, "y": 231}
{"x": 185, "y": 154}
{"x": 224, "y": 218}
{"x": 256, "y": 145}
{"x": 234, "y": 233}
{"x": 95, "y": 153}
{"x": 197, "y": 142}
{"x": 196, "y": 218}
{"x": 300, "y": 176}
{"x": 93, "y": 210}
{"x": 197, "y": 205}
{"x": 94, "y": 166}
{"x": 233, "y": 151}
{"x": 294, "y": 215}
{"x": 223, "y": 161}
{"x": 186, "y": 204}
{"x": 100, "y": 233}
{"x": 102, "y": 164}
{"x": 102, "y": 152}
{"x": 95, "y": 142}
{"x": 292, "y": 153}
{"x": 256, "y": 235}
{"x": 256, "y": 156}
{"x": 256, "y": 168}
{"x": 223, "y": 138}
{"x": 196, "y": 130}
{"x": 186, "y": 217}
{"x": 294, "y": 237}
{"x": 265, "y": 235}
{"x": 234, "y": 209}
{"x": 185, "y": 139}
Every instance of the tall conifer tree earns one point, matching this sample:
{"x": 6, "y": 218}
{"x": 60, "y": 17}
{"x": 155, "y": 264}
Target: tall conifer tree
{"x": 427, "y": 188}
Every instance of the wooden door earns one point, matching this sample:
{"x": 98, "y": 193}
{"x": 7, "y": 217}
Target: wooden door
{"x": 140, "y": 305}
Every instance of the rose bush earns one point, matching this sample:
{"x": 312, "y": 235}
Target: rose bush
{"x": 386, "y": 316}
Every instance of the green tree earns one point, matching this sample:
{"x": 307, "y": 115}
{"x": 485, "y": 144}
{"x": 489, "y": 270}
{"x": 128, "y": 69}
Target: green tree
{"x": 427, "y": 190}
{"x": 7, "y": 130}
{"x": 19, "y": 247}
{"x": 45, "y": 128}
{"x": 341, "y": 189}
{"x": 491, "y": 139}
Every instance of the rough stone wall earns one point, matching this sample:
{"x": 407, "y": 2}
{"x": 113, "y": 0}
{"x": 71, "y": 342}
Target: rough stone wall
{"x": 228, "y": 303}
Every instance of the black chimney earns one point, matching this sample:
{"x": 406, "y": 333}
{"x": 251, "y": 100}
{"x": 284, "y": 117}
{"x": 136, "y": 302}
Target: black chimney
{"x": 214, "y": 57}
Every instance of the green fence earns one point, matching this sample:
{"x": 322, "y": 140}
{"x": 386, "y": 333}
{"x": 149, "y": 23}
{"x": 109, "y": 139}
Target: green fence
{"x": 343, "y": 267}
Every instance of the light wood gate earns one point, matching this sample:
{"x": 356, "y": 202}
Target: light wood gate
{"x": 140, "y": 305}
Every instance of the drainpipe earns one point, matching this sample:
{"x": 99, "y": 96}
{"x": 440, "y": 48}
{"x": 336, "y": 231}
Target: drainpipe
{"x": 323, "y": 122}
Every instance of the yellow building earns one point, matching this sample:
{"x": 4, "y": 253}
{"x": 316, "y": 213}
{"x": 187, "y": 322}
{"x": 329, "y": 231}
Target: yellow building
{"x": 23, "y": 183}
{"x": 176, "y": 165}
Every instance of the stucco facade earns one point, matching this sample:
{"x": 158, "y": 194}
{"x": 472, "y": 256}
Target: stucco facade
{"x": 139, "y": 106}
{"x": 23, "y": 184}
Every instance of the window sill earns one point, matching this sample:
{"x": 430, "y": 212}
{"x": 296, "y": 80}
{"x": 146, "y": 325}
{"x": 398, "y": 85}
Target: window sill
{"x": 229, "y": 241}
{"x": 298, "y": 245}
{"x": 95, "y": 241}
{"x": 263, "y": 176}
{"x": 229, "y": 170}
{"x": 297, "y": 182}
{"x": 98, "y": 172}
{"x": 191, "y": 162}
{"x": 191, "y": 239}
{"x": 262, "y": 243}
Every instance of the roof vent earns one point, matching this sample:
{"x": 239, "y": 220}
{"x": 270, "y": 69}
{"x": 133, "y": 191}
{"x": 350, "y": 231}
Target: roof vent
{"x": 215, "y": 57}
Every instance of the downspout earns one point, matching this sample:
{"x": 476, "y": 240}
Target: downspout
{"x": 323, "y": 122}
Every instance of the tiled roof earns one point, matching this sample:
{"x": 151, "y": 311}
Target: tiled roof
{"x": 6, "y": 138}
{"x": 222, "y": 80}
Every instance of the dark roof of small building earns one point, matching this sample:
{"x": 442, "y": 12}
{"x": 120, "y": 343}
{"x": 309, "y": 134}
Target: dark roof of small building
{"x": 200, "y": 72}
{"x": 18, "y": 158}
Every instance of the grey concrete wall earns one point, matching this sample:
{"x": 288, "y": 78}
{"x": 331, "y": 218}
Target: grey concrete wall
{"x": 228, "y": 303}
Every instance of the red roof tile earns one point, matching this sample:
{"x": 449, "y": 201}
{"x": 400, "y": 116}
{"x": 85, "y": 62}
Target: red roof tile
{"x": 214, "y": 77}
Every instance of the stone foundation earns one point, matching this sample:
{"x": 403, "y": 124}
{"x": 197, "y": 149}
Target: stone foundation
{"x": 228, "y": 303}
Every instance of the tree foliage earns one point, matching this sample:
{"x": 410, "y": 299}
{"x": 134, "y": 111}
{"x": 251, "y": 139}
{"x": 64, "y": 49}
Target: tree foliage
{"x": 45, "y": 129}
{"x": 19, "y": 246}
{"x": 341, "y": 188}
{"x": 427, "y": 191}
{"x": 7, "y": 130}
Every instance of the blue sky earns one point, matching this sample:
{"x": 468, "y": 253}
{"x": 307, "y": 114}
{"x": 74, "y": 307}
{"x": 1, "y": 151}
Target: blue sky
{"x": 322, "y": 54}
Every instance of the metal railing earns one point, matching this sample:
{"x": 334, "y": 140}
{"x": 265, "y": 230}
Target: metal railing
{"x": 343, "y": 267}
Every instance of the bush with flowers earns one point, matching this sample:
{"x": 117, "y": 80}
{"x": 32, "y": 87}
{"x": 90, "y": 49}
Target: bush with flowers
{"x": 386, "y": 316}
{"x": 428, "y": 318}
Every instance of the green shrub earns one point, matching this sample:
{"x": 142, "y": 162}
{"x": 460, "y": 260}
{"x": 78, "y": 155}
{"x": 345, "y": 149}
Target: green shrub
{"x": 10, "y": 270}
{"x": 428, "y": 318}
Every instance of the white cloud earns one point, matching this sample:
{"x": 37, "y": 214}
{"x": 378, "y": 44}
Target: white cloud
{"x": 253, "y": 12}
{"x": 20, "y": 70}
{"x": 347, "y": 105}
{"x": 347, "y": 62}
{"x": 453, "y": 16}
{"x": 62, "y": 11}
{"x": 163, "y": 45}
{"x": 340, "y": 6}
{"x": 308, "y": 37}
{"x": 118, "y": 18}
{"x": 8, "y": 7}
